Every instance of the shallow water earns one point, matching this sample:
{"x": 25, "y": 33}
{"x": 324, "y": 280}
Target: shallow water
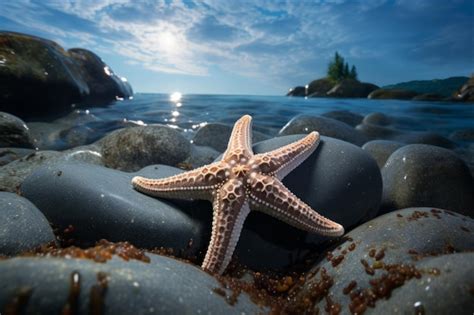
{"x": 270, "y": 113}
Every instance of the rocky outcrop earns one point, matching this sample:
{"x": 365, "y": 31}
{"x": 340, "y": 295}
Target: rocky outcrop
{"x": 39, "y": 78}
{"x": 397, "y": 94}
{"x": 466, "y": 92}
{"x": 297, "y": 91}
{"x": 319, "y": 87}
{"x": 351, "y": 88}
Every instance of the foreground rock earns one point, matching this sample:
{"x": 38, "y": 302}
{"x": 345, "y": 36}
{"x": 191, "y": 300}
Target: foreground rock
{"x": 303, "y": 124}
{"x": 389, "y": 265}
{"x": 350, "y": 118}
{"x": 381, "y": 150}
{"x": 397, "y": 94}
{"x": 55, "y": 78}
{"x": 72, "y": 286}
{"x": 14, "y": 132}
{"x": 423, "y": 175}
{"x": 131, "y": 149}
{"x": 101, "y": 203}
{"x": 22, "y": 227}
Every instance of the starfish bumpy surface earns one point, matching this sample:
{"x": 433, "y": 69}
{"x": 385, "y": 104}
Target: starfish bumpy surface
{"x": 242, "y": 181}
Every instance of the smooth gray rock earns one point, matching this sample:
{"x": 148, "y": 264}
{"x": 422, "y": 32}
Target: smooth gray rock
{"x": 339, "y": 179}
{"x": 162, "y": 286}
{"x": 375, "y": 132}
{"x": 131, "y": 149}
{"x": 424, "y": 175}
{"x": 14, "y": 132}
{"x": 8, "y": 155}
{"x": 379, "y": 119}
{"x": 22, "y": 226}
{"x": 303, "y": 124}
{"x": 14, "y": 173}
{"x": 411, "y": 237}
{"x": 381, "y": 150}
{"x": 101, "y": 203}
{"x": 217, "y": 136}
{"x": 200, "y": 156}
{"x": 350, "y": 118}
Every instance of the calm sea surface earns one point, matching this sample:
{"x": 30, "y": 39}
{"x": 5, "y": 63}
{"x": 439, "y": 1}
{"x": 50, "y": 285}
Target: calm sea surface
{"x": 270, "y": 113}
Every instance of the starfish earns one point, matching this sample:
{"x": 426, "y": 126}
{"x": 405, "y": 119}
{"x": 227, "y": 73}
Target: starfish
{"x": 242, "y": 181}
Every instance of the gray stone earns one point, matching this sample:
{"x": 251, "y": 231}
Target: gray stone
{"x": 22, "y": 227}
{"x": 201, "y": 155}
{"x": 381, "y": 150}
{"x": 350, "y": 118}
{"x": 14, "y": 132}
{"x": 14, "y": 173}
{"x": 303, "y": 124}
{"x": 8, "y": 155}
{"x": 162, "y": 286}
{"x": 410, "y": 237}
{"x": 131, "y": 149}
{"x": 424, "y": 175}
{"x": 217, "y": 136}
{"x": 379, "y": 119}
{"x": 101, "y": 203}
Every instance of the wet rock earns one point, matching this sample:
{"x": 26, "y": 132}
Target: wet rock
{"x": 297, "y": 91}
{"x": 374, "y": 132}
{"x": 379, "y": 119}
{"x": 22, "y": 227}
{"x": 8, "y": 155}
{"x": 350, "y": 118}
{"x": 303, "y": 124}
{"x": 130, "y": 149}
{"x": 405, "y": 243}
{"x": 56, "y": 78}
{"x": 336, "y": 168}
{"x": 161, "y": 286}
{"x": 425, "y": 175}
{"x": 217, "y": 136}
{"x": 381, "y": 150}
{"x": 397, "y": 94}
{"x": 14, "y": 132}
{"x": 100, "y": 203}
{"x": 14, "y": 173}
{"x": 351, "y": 88}
{"x": 46, "y": 136}
{"x": 200, "y": 156}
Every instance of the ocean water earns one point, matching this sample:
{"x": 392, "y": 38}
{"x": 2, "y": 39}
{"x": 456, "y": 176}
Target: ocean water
{"x": 271, "y": 113}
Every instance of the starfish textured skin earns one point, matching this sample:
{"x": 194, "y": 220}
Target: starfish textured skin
{"x": 240, "y": 182}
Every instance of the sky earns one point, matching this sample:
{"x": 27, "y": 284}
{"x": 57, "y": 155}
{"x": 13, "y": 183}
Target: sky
{"x": 257, "y": 47}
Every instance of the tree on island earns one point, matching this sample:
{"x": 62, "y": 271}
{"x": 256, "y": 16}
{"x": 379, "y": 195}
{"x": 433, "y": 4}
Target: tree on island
{"x": 339, "y": 70}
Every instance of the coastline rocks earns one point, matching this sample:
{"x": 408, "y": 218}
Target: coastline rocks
{"x": 14, "y": 132}
{"x": 297, "y": 91}
{"x": 217, "y": 136}
{"x": 55, "y": 78}
{"x": 381, "y": 150}
{"x": 350, "y": 118}
{"x": 466, "y": 92}
{"x": 319, "y": 87}
{"x": 303, "y": 124}
{"x": 130, "y": 149}
{"x": 339, "y": 180}
{"x": 22, "y": 227}
{"x": 397, "y": 94}
{"x": 351, "y": 88}
{"x": 160, "y": 286}
{"x": 8, "y": 155}
{"x": 429, "y": 97}
{"x": 425, "y": 175}
{"x": 392, "y": 261}
{"x": 100, "y": 203}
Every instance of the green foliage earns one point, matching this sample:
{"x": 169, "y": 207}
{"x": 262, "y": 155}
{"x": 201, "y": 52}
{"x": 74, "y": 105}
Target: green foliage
{"x": 339, "y": 70}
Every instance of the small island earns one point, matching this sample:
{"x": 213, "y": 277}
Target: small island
{"x": 341, "y": 82}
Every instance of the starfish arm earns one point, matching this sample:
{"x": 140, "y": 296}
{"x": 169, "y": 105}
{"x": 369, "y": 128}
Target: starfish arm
{"x": 230, "y": 211}
{"x": 240, "y": 142}
{"x": 283, "y": 160}
{"x": 269, "y": 195}
{"x": 194, "y": 184}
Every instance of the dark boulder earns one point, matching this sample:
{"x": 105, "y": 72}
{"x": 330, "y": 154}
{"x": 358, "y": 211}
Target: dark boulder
{"x": 297, "y": 91}
{"x": 351, "y": 88}
{"x": 319, "y": 87}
